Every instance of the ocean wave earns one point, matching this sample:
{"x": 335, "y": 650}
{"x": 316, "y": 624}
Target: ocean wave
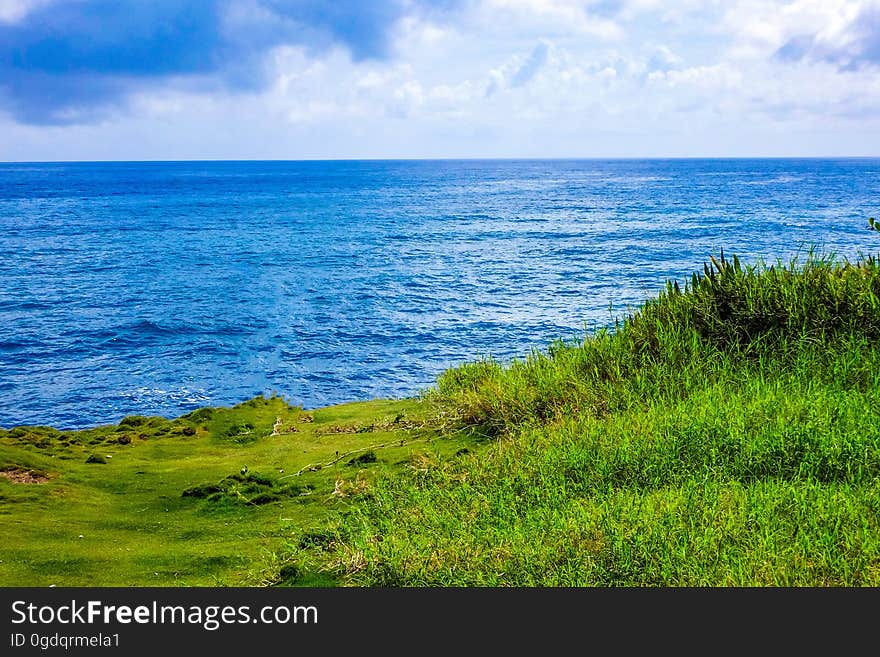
{"x": 778, "y": 180}
{"x": 637, "y": 179}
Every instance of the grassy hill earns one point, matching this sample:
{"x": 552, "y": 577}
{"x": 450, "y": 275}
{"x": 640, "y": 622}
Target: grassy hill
{"x": 221, "y": 496}
{"x": 726, "y": 433}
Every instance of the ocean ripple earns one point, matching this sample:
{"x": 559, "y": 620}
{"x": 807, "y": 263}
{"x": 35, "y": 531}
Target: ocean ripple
{"x": 156, "y": 288}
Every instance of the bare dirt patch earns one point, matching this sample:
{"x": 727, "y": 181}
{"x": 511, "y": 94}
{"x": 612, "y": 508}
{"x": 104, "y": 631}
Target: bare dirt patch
{"x": 23, "y": 476}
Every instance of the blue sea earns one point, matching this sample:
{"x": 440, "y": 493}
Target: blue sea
{"x": 160, "y": 287}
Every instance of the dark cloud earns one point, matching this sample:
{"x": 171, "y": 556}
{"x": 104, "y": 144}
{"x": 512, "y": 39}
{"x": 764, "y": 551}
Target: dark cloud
{"x": 860, "y": 51}
{"x": 67, "y": 60}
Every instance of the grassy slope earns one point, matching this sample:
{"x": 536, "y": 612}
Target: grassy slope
{"x": 127, "y": 522}
{"x": 725, "y": 434}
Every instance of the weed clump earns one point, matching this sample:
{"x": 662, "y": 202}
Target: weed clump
{"x": 289, "y": 575}
{"x": 132, "y": 421}
{"x": 317, "y": 540}
{"x": 249, "y": 489}
{"x": 364, "y": 459}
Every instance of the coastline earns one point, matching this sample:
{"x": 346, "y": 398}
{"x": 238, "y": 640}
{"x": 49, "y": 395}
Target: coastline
{"x": 725, "y": 434}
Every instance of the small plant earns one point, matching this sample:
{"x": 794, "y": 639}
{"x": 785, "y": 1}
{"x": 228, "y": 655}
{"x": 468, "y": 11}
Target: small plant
{"x": 364, "y": 459}
{"x": 246, "y": 488}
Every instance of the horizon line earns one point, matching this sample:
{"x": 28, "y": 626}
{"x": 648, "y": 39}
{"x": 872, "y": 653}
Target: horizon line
{"x": 451, "y": 159}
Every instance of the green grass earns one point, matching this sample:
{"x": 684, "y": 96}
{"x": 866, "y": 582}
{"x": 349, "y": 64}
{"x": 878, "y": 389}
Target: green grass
{"x": 171, "y": 505}
{"x": 725, "y": 433}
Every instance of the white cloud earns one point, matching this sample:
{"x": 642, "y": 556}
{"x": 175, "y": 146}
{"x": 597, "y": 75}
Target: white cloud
{"x": 549, "y": 17}
{"x": 709, "y": 78}
{"x": 12, "y": 11}
{"x": 761, "y": 28}
{"x": 529, "y": 77}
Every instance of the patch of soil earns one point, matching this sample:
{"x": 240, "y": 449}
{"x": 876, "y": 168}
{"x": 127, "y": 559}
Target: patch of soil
{"x": 346, "y": 428}
{"x": 22, "y": 476}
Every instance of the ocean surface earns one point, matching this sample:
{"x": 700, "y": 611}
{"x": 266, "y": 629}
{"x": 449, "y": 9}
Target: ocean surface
{"x": 157, "y": 288}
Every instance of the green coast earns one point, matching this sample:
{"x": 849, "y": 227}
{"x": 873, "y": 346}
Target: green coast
{"x": 725, "y": 433}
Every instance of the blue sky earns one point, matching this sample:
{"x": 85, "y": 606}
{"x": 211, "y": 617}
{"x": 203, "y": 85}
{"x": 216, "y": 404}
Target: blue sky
{"x": 295, "y": 79}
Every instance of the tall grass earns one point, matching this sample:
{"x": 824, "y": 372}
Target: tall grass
{"x": 726, "y": 433}
{"x": 728, "y": 321}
